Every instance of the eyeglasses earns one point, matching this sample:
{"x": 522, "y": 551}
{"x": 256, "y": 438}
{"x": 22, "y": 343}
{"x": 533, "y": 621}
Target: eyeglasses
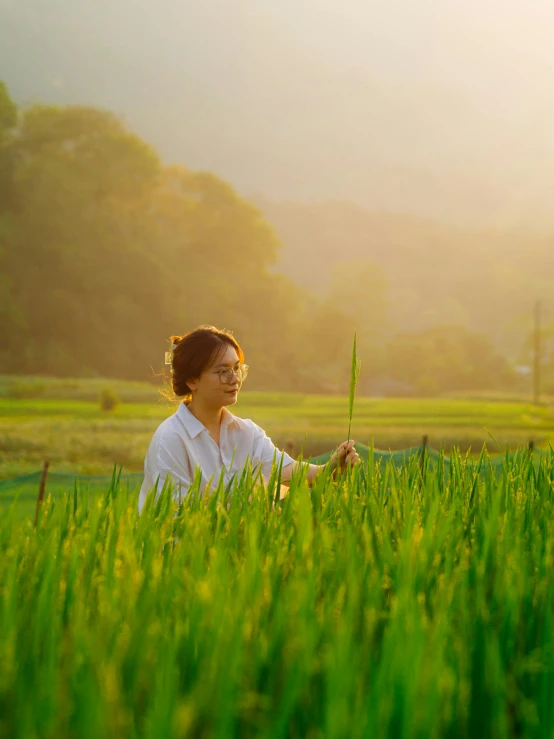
{"x": 227, "y": 374}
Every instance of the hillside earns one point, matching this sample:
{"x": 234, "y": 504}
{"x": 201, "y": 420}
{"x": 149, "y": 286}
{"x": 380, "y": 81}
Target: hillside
{"x": 485, "y": 279}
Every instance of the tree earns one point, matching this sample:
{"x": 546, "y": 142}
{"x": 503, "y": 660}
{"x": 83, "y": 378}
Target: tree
{"x": 80, "y": 184}
{"x": 108, "y": 253}
{"x": 447, "y": 358}
{"x": 11, "y": 315}
{"x": 8, "y": 112}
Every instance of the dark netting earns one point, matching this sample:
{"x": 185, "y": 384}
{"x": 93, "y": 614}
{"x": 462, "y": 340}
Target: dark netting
{"x": 432, "y": 457}
{"x": 25, "y": 487}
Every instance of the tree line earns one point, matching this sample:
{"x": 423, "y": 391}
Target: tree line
{"x": 105, "y": 252}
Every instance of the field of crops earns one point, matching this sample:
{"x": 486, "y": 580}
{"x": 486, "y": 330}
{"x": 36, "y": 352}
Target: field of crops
{"x": 64, "y": 423}
{"x": 392, "y": 603}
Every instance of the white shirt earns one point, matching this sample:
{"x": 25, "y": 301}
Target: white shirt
{"x": 182, "y": 443}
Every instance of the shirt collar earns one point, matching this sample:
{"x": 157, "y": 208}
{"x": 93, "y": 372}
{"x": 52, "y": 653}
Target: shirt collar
{"x": 194, "y": 426}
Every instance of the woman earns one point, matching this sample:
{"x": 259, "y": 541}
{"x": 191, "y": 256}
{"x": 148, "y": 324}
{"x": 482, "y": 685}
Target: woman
{"x": 207, "y": 371}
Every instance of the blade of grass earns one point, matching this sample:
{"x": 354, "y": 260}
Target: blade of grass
{"x": 354, "y": 374}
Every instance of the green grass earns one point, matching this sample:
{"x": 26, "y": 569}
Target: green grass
{"x": 378, "y": 606}
{"x": 17, "y": 386}
{"x": 76, "y": 436}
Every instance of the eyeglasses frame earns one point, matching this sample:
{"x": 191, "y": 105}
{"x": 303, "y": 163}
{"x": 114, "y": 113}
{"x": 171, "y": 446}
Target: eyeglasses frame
{"x": 242, "y": 371}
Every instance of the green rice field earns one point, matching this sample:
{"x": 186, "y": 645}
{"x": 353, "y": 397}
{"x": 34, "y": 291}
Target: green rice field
{"x": 405, "y": 599}
{"x": 401, "y": 603}
{"x": 61, "y": 420}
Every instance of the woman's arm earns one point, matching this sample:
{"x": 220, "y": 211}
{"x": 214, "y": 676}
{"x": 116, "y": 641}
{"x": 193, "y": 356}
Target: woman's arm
{"x": 313, "y": 471}
{"x": 344, "y": 455}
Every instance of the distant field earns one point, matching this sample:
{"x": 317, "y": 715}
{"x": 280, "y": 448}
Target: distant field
{"x": 64, "y": 423}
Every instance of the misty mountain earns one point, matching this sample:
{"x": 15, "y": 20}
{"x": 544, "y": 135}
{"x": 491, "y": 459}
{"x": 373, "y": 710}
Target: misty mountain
{"x": 484, "y": 279}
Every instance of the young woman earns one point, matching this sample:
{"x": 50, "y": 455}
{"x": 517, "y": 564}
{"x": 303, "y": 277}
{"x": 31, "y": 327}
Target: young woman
{"x": 207, "y": 372}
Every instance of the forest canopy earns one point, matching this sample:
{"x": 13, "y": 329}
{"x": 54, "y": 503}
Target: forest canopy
{"x": 105, "y": 252}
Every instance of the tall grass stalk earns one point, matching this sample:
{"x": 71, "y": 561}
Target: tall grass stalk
{"x": 354, "y": 374}
{"x": 391, "y": 609}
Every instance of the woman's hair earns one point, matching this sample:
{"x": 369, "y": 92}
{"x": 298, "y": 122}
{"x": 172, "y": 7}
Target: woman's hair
{"x": 194, "y": 352}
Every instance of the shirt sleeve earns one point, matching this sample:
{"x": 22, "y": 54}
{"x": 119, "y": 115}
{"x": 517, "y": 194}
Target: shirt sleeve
{"x": 265, "y": 452}
{"x": 172, "y": 462}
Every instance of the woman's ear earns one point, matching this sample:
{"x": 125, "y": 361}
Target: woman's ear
{"x": 193, "y": 383}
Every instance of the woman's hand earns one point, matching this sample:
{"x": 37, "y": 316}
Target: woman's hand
{"x": 344, "y": 455}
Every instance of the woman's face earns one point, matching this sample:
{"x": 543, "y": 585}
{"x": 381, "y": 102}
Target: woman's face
{"x": 210, "y": 389}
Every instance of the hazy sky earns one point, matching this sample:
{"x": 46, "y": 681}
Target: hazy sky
{"x": 441, "y": 108}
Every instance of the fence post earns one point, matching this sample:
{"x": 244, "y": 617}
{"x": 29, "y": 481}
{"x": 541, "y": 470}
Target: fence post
{"x": 41, "y": 489}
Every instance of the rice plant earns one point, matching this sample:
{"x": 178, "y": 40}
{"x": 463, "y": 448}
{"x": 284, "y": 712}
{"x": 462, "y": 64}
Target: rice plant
{"x": 354, "y": 374}
{"x": 374, "y": 605}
